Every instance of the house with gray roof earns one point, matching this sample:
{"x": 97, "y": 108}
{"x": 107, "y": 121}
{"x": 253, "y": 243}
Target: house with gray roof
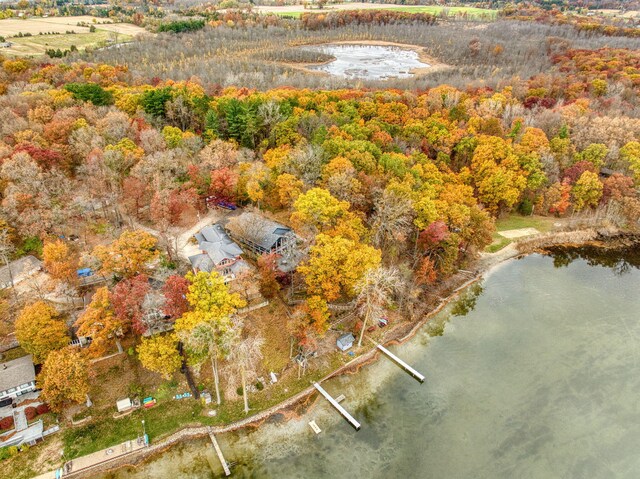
{"x": 218, "y": 252}
{"x": 261, "y": 235}
{"x": 19, "y": 270}
{"x": 17, "y": 377}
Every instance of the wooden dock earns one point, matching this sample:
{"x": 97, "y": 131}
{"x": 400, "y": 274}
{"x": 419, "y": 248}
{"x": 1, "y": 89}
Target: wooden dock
{"x": 340, "y": 409}
{"x": 225, "y": 466}
{"x": 401, "y": 363}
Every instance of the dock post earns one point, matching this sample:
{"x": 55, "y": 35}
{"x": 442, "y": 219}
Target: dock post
{"x": 401, "y": 363}
{"x": 340, "y": 409}
{"x": 225, "y": 466}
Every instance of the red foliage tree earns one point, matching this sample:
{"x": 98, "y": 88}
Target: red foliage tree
{"x": 617, "y": 187}
{"x": 135, "y": 194}
{"x": 175, "y": 294}
{"x": 44, "y": 157}
{"x": 223, "y": 183}
{"x": 574, "y": 172}
{"x": 127, "y": 298}
{"x": 42, "y": 409}
{"x": 433, "y": 234}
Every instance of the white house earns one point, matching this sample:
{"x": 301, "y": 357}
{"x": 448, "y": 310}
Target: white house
{"x": 17, "y": 377}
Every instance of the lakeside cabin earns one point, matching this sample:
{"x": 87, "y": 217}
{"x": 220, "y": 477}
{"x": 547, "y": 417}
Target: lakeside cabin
{"x": 17, "y": 377}
{"x": 261, "y": 235}
{"x": 218, "y": 252}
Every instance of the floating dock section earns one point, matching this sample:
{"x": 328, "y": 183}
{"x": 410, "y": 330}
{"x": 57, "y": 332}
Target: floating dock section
{"x": 340, "y": 409}
{"x": 401, "y": 363}
{"x": 225, "y": 466}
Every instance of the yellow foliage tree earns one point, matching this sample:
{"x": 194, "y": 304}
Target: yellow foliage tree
{"x": 210, "y": 300}
{"x": 99, "y": 322}
{"x": 318, "y": 209}
{"x": 128, "y": 255}
{"x": 289, "y": 188}
{"x": 335, "y": 265}
{"x": 64, "y": 378}
{"x": 40, "y": 330}
{"x": 160, "y": 355}
{"x": 59, "y": 261}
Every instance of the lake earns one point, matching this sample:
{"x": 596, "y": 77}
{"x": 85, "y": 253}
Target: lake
{"x": 368, "y": 62}
{"x": 533, "y": 373}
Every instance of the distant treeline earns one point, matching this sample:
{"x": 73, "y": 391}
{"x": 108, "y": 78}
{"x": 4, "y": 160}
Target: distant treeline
{"x": 181, "y": 26}
{"x": 316, "y": 21}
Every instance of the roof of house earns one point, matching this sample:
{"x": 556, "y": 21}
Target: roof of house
{"x": 258, "y": 229}
{"x": 345, "y": 340}
{"x": 24, "y": 265}
{"x": 17, "y": 372}
{"x": 214, "y": 241}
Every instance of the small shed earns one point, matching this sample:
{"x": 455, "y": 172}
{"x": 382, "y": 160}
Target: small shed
{"x": 124, "y": 404}
{"x": 345, "y": 342}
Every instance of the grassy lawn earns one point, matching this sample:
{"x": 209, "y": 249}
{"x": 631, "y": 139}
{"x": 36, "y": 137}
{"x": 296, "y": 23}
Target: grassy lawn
{"x": 170, "y": 415}
{"x": 514, "y": 222}
{"x": 38, "y": 44}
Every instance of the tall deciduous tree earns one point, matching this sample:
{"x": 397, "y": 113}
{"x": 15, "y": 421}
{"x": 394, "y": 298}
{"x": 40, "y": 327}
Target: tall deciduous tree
{"x": 587, "y": 191}
{"x": 127, "y": 298}
{"x": 374, "y": 293}
{"x": 59, "y": 262}
{"x": 244, "y": 354}
{"x": 128, "y": 255}
{"x": 99, "y": 322}
{"x": 336, "y": 264}
{"x": 40, "y": 330}
{"x": 64, "y": 378}
{"x": 210, "y": 300}
{"x": 175, "y": 291}
{"x": 160, "y": 354}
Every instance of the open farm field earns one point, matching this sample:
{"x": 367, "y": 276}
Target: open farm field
{"x": 39, "y": 44}
{"x": 11, "y": 27}
{"x": 619, "y": 13}
{"x": 297, "y": 10}
{"x": 51, "y": 32}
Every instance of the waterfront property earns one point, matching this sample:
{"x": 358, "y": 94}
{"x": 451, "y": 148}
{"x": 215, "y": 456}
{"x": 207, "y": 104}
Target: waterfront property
{"x": 218, "y": 252}
{"x": 261, "y": 235}
{"x": 345, "y": 342}
{"x": 17, "y": 377}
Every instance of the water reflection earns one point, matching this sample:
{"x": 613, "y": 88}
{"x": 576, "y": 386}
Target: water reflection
{"x": 620, "y": 260}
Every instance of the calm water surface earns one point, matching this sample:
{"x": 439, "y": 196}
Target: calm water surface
{"x": 368, "y": 62}
{"x": 537, "y": 375}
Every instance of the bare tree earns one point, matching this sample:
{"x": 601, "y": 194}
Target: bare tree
{"x": 244, "y": 354}
{"x": 374, "y": 292}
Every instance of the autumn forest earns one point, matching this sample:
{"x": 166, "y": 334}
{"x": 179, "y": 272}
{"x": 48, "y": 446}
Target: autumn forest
{"x": 111, "y": 161}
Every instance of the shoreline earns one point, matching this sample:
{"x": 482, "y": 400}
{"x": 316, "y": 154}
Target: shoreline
{"x": 603, "y": 238}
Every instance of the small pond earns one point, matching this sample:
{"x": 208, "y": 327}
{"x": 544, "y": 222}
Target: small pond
{"x": 369, "y": 62}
